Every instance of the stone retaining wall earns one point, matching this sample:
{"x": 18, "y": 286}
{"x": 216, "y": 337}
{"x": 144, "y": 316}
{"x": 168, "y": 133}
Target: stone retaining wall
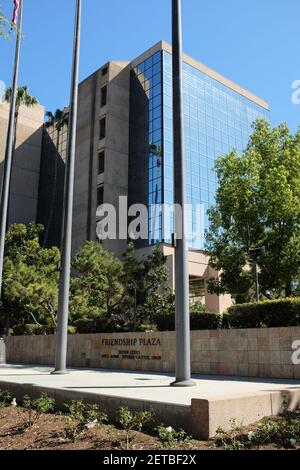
{"x": 249, "y": 352}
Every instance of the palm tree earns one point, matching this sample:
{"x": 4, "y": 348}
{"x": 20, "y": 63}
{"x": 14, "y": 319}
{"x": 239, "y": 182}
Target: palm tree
{"x": 23, "y": 99}
{"x": 57, "y": 121}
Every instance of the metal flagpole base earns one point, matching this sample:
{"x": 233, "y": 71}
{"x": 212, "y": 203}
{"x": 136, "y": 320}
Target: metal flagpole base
{"x": 183, "y": 383}
{"x": 60, "y": 372}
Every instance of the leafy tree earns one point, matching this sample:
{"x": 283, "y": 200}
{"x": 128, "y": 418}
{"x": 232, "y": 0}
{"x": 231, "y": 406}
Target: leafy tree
{"x": 159, "y": 306}
{"x": 23, "y": 99}
{"x": 4, "y": 23}
{"x": 258, "y": 204}
{"x": 30, "y": 284}
{"x": 96, "y": 289}
{"x": 110, "y": 293}
{"x": 143, "y": 279}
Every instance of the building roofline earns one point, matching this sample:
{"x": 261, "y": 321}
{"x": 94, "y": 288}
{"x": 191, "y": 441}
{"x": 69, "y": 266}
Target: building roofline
{"x": 163, "y": 45}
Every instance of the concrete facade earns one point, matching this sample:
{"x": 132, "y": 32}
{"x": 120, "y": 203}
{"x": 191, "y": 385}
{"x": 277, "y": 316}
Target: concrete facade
{"x": 245, "y": 353}
{"x": 112, "y": 161}
{"x": 89, "y": 179}
{"x": 51, "y": 184}
{"x": 24, "y": 195}
{"x": 125, "y": 150}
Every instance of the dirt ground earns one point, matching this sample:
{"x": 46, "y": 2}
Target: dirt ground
{"x": 49, "y": 434}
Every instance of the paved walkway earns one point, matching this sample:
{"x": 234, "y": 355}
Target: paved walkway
{"x": 152, "y": 387}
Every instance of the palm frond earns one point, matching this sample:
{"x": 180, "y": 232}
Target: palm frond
{"x": 23, "y": 97}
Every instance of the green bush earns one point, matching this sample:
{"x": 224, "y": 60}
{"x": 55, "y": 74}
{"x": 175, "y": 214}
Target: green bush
{"x": 271, "y": 313}
{"x": 206, "y": 321}
{"x": 165, "y": 322}
{"x": 36, "y": 330}
{"x": 36, "y": 408}
{"x": 94, "y": 325}
{"x": 82, "y": 417}
{"x": 133, "y": 421}
{"x": 200, "y": 320}
{"x": 31, "y": 330}
{"x": 169, "y": 437}
{"x": 5, "y": 398}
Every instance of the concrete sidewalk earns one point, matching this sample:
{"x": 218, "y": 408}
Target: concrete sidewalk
{"x": 200, "y": 409}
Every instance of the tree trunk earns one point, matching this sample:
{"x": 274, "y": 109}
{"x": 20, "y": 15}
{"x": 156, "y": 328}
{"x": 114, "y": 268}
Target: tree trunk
{"x": 288, "y": 289}
{"x": 7, "y": 326}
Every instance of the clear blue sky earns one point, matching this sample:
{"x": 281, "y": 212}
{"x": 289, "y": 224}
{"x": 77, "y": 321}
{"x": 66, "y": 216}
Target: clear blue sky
{"x": 253, "y": 42}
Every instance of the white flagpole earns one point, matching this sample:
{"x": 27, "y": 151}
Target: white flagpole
{"x": 5, "y": 189}
{"x": 64, "y": 284}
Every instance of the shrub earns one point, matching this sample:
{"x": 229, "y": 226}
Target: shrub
{"x": 271, "y": 313}
{"x": 31, "y": 329}
{"x": 165, "y": 322}
{"x": 230, "y": 440}
{"x": 82, "y": 417}
{"x": 199, "y": 320}
{"x": 94, "y": 325}
{"x": 5, "y": 398}
{"x": 196, "y": 308}
{"x": 284, "y": 433}
{"x": 133, "y": 421}
{"x": 169, "y": 437}
{"x": 35, "y": 408}
{"x": 206, "y": 321}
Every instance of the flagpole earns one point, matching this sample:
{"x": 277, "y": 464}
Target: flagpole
{"x": 64, "y": 283}
{"x": 183, "y": 349}
{"x": 6, "y": 180}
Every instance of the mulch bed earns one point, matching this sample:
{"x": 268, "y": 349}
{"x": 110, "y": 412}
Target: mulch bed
{"x": 49, "y": 434}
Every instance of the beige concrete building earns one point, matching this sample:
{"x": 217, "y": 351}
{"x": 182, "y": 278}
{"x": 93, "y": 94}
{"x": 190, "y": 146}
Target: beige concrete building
{"x": 27, "y": 160}
{"x": 124, "y": 148}
{"x": 52, "y": 176}
{"x": 101, "y": 173}
{"x": 38, "y": 171}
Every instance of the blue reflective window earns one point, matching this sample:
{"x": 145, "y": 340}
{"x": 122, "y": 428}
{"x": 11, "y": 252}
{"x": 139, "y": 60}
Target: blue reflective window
{"x": 156, "y": 90}
{"x": 168, "y": 135}
{"x": 156, "y": 101}
{"x": 157, "y": 58}
{"x": 168, "y": 171}
{"x": 148, "y": 63}
{"x": 156, "y": 113}
{"x": 156, "y": 124}
{"x": 168, "y": 158}
{"x": 157, "y": 68}
{"x": 157, "y": 135}
{"x": 169, "y": 184}
{"x": 168, "y": 123}
{"x": 169, "y": 147}
{"x": 156, "y": 80}
{"x": 216, "y": 120}
{"x": 194, "y": 157}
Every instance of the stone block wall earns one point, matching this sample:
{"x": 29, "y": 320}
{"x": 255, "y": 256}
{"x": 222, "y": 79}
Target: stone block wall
{"x": 249, "y": 352}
